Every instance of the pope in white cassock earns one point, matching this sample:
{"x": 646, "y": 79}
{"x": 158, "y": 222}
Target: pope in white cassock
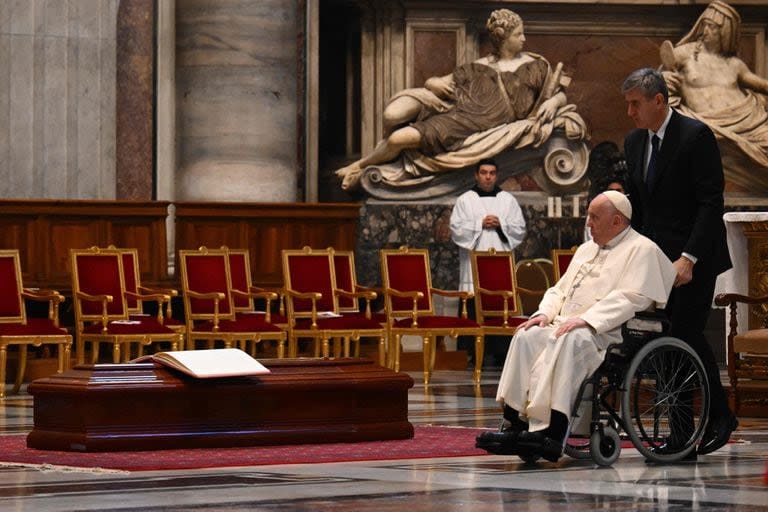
{"x": 611, "y": 277}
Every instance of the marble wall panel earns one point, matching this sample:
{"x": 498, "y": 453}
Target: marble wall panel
{"x": 57, "y": 108}
{"x": 237, "y": 100}
{"x": 434, "y": 54}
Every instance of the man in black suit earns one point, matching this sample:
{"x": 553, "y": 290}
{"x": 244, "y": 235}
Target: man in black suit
{"x": 675, "y": 184}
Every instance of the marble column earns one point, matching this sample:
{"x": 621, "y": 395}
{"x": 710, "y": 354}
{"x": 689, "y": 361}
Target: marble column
{"x": 236, "y": 96}
{"x": 57, "y": 99}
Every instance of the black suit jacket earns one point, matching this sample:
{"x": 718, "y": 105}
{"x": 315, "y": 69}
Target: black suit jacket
{"x": 684, "y": 210}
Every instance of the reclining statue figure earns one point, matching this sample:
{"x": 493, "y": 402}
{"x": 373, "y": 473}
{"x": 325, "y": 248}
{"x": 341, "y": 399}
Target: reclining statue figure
{"x": 509, "y": 99}
{"x": 707, "y": 81}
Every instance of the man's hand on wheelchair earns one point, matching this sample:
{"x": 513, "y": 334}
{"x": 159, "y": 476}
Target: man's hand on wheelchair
{"x": 539, "y": 320}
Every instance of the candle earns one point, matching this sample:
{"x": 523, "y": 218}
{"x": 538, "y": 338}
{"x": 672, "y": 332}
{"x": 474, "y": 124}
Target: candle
{"x": 550, "y": 206}
{"x": 558, "y": 207}
{"x": 575, "y": 206}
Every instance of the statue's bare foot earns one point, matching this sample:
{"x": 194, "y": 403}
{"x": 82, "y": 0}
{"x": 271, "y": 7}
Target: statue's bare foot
{"x": 350, "y": 176}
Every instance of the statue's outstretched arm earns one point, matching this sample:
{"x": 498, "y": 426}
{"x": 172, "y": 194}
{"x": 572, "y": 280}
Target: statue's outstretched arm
{"x": 751, "y": 80}
{"x": 441, "y": 86}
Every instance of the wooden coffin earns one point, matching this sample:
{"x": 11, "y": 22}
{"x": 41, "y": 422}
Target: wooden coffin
{"x": 111, "y": 407}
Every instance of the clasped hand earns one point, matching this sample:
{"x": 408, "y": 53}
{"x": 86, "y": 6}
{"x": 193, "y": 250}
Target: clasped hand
{"x": 491, "y": 222}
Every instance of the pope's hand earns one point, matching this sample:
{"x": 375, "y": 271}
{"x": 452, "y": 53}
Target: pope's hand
{"x": 569, "y": 325}
{"x": 540, "y": 320}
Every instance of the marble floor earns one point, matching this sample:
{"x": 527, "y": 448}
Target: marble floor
{"x": 729, "y": 479}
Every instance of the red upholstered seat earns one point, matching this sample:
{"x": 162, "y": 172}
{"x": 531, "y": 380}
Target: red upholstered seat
{"x": 311, "y": 288}
{"x": 18, "y": 329}
{"x": 102, "y": 300}
{"x": 246, "y": 325}
{"x": 135, "y": 327}
{"x": 345, "y": 322}
{"x": 33, "y": 327}
{"x": 409, "y": 298}
{"x": 209, "y": 303}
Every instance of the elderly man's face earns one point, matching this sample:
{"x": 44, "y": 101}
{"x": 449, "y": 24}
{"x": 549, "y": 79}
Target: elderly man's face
{"x": 603, "y": 220}
{"x": 486, "y": 177}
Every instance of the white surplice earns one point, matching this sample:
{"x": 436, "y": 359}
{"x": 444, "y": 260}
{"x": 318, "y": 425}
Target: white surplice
{"x": 605, "y": 286}
{"x": 467, "y": 228}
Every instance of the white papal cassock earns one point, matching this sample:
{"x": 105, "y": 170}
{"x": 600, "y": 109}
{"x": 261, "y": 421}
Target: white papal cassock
{"x": 605, "y": 286}
{"x": 467, "y": 227}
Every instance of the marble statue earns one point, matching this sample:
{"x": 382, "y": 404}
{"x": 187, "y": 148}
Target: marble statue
{"x": 709, "y": 82}
{"x": 508, "y": 99}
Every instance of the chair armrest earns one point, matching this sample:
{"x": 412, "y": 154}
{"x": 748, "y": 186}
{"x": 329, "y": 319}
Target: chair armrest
{"x": 366, "y": 294}
{"x": 207, "y": 295}
{"x": 452, "y": 293}
{"x": 369, "y": 295}
{"x": 94, "y": 298}
{"x": 52, "y": 297}
{"x": 312, "y": 296}
{"x": 216, "y": 297}
{"x": 497, "y": 293}
{"x": 148, "y": 296}
{"x": 104, "y": 299}
{"x": 724, "y": 299}
{"x": 405, "y": 295}
{"x": 160, "y": 298}
{"x": 261, "y": 294}
{"x": 304, "y": 295}
{"x": 164, "y": 291}
{"x": 256, "y": 294}
{"x": 534, "y": 293}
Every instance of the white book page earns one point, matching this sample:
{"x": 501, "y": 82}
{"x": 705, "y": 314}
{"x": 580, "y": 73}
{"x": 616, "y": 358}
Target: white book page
{"x": 223, "y": 362}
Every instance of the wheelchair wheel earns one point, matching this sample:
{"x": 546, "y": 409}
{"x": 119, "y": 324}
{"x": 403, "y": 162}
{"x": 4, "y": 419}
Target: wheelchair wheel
{"x": 665, "y": 402}
{"x": 578, "y": 448}
{"x": 605, "y": 447}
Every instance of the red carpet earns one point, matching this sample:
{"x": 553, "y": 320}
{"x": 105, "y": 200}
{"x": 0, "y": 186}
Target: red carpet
{"x": 427, "y": 442}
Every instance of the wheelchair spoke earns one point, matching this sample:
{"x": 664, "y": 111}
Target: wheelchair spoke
{"x": 665, "y": 401}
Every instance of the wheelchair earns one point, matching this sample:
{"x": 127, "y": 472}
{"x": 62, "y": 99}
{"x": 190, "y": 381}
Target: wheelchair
{"x": 652, "y": 387}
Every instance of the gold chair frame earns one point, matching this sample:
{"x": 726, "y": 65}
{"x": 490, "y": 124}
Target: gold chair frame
{"x": 64, "y": 341}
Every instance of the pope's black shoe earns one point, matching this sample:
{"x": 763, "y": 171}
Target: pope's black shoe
{"x": 538, "y": 443}
{"x": 717, "y": 433}
{"x": 498, "y": 443}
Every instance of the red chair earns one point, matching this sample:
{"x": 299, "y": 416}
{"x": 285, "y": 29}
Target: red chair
{"x": 101, "y": 307}
{"x": 496, "y": 291}
{"x": 243, "y": 291}
{"x": 16, "y": 328}
{"x": 132, "y": 277}
{"x": 409, "y": 305}
{"x": 346, "y": 280}
{"x": 209, "y": 304}
{"x": 561, "y": 258}
{"x": 312, "y": 300}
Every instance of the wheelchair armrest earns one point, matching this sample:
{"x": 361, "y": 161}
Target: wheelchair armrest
{"x": 646, "y": 325}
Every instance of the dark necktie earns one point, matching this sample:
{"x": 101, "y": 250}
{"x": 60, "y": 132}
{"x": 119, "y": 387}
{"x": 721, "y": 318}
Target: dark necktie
{"x": 650, "y": 176}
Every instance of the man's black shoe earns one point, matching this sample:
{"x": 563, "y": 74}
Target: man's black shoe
{"x": 717, "y": 434}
